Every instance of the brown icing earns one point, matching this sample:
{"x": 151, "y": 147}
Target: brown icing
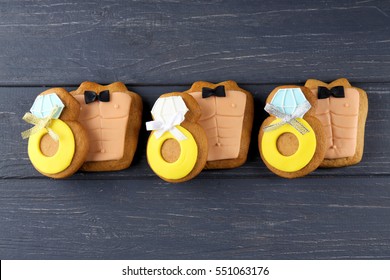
{"x": 222, "y": 119}
{"x": 105, "y": 123}
{"x": 339, "y": 117}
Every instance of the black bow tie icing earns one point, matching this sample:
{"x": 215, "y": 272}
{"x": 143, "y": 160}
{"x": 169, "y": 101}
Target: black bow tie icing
{"x": 91, "y": 96}
{"x": 219, "y": 91}
{"x": 337, "y": 92}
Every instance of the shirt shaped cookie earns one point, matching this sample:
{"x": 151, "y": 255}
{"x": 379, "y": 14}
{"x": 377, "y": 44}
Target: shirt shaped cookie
{"x": 227, "y": 117}
{"x": 342, "y": 110}
{"x": 111, "y": 116}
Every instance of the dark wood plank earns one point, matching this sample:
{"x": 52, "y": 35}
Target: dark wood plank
{"x": 177, "y": 42}
{"x": 268, "y": 218}
{"x": 161, "y": 46}
{"x": 14, "y": 162}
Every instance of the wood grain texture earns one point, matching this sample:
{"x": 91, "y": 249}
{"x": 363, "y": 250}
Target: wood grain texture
{"x": 157, "y": 47}
{"x": 229, "y": 219}
{"x": 66, "y": 42}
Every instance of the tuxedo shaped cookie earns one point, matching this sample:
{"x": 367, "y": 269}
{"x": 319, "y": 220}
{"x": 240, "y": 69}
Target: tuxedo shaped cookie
{"x": 227, "y": 118}
{"x": 111, "y": 116}
{"x": 342, "y": 110}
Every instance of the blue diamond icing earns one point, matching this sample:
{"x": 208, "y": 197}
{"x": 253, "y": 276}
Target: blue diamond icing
{"x": 288, "y": 99}
{"x": 44, "y": 104}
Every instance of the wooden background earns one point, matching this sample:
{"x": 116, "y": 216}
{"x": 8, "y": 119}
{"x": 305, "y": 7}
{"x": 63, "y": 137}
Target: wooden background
{"x": 162, "y": 46}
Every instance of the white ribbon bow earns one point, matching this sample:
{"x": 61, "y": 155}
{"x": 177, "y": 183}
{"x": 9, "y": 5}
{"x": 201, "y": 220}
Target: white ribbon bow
{"x": 160, "y": 126}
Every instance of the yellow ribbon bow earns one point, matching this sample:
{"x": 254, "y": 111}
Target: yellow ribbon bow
{"x": 40, "y": 123}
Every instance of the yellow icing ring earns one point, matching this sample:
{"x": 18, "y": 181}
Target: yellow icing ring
{"x": 298, "y": 160}
{"x": 64, "y": 155}
{"x": 182, "y": 166}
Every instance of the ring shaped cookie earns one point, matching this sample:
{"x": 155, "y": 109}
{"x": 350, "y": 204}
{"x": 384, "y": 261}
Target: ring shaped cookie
{"x": 305, "y": 152}
{"x": 64, "y": 155}
{"x": 182, "y": 166}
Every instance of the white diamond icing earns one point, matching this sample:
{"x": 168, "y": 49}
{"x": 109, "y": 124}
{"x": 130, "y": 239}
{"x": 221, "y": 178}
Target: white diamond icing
{"x": 167, "y": 107}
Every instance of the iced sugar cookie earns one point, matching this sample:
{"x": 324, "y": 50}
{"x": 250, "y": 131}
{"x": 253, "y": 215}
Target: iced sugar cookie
{"x": 227, "y": 118}
{"x": 111, "y": 116}
{"x": 177, "y": 146}
{"x": 342, "y": 110}
{"x": 292, "y": 142}
{"x": 58, "y": 144}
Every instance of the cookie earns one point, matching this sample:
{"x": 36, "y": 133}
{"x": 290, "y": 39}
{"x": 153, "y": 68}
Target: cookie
{"x": 111, "y": 115}
{"x": 227, "y": 118}
{"x": 342, "y": 110}
{"x": 58, "y": 144}
{"x": 177, "y": 147}
{"x": 292, "y": 142}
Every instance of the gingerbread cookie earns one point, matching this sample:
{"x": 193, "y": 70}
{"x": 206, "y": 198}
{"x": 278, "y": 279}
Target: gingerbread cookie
{"x": 58, "y": 144}
{"x": 111, "y": 116}
{"x": 227, "y": 118}
{"x": 292, "y": 142}
{"x": 177, "y": 147}
{"x": 342, "y": 110}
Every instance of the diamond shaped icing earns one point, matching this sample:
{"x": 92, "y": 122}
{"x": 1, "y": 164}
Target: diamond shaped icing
{"x": 167, "y": 107}
{"x": 288, "y": 99}
{"x": 44, "y": 104}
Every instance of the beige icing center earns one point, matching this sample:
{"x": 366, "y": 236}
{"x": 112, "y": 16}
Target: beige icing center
{"x": 339, "y": 117}
{"x": 105, "y": 123}
{"x": 222, "y": 119}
